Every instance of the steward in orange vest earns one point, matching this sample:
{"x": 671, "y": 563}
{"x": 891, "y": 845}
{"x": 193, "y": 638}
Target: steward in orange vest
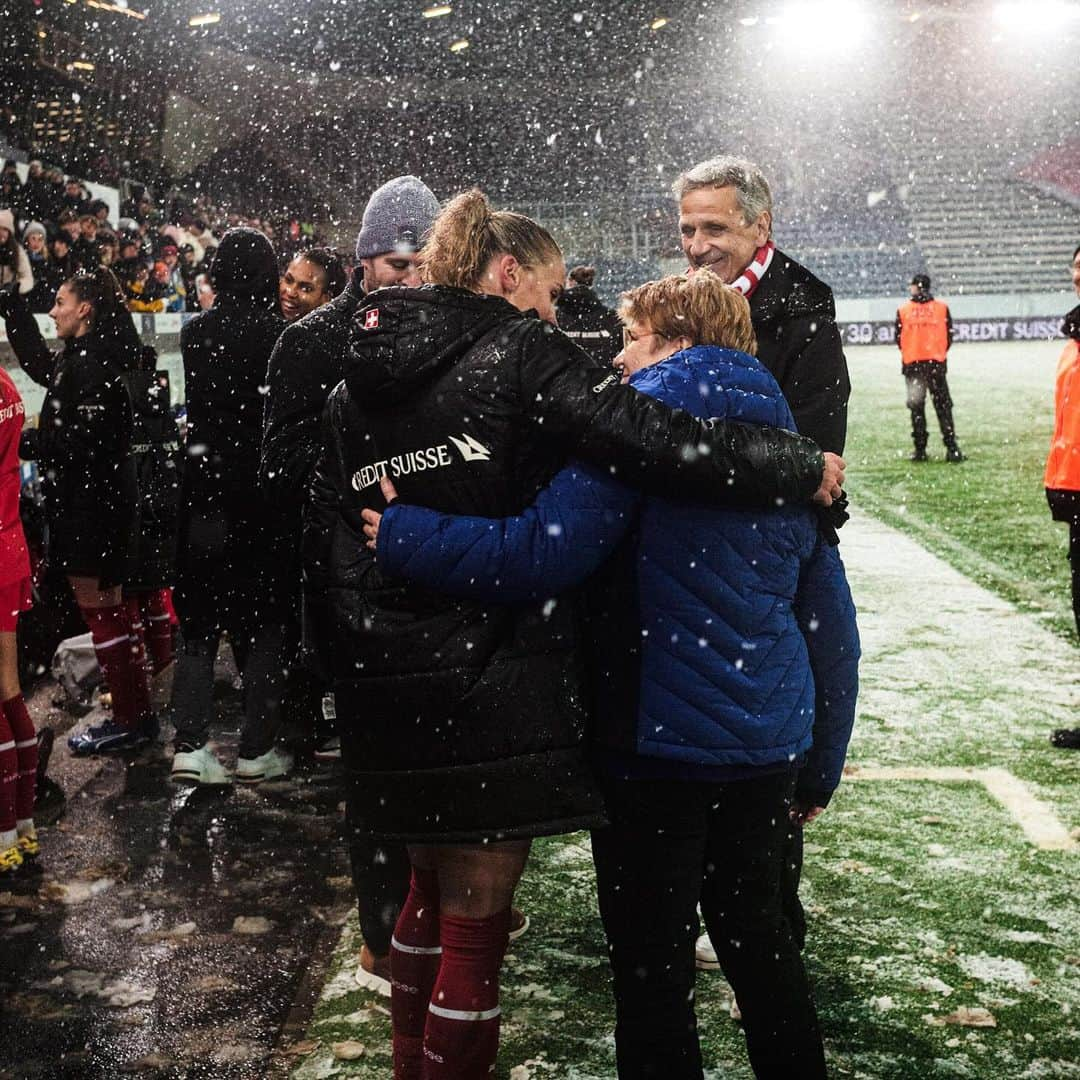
{"x": 924, "y": 334}
{"x": 1062, "y": 477}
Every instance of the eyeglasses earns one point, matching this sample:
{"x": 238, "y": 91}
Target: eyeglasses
{"x": 628, "y": 337}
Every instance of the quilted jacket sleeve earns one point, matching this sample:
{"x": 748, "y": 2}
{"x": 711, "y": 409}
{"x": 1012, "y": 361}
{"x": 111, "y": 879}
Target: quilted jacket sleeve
{"x": 298, "y": 374}
{"x": 555, "y": 544}
{"x": 826, "y": 615}
{"x": 587, "y": 413}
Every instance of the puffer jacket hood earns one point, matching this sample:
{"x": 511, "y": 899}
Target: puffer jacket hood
{"x": 245, "y": 267}
{"x": 401, "y": 338}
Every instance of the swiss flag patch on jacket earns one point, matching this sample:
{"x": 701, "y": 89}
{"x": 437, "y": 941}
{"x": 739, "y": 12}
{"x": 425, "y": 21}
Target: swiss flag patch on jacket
{"x": 371, "y": 319}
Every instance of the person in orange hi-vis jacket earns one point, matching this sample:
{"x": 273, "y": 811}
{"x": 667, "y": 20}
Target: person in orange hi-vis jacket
{"x": 924, "y": 334}
{"x": 1062, "y": 477}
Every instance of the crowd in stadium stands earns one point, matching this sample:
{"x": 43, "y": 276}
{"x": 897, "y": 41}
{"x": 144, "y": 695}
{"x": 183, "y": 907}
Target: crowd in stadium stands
{"x": 51, "y": 227}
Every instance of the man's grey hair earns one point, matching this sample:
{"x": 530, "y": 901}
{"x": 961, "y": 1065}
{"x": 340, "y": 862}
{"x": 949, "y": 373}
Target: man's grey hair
{"x": 751, "y": 188}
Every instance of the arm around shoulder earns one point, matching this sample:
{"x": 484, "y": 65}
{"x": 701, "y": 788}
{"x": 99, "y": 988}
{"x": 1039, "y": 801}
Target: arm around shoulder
{"x": 589, "y": 414}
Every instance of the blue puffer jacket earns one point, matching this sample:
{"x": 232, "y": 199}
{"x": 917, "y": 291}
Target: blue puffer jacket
{"x": 712, "y": 629}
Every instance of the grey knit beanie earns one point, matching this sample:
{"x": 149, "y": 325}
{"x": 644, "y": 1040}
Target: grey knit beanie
{"x": 397, "y": 218}
{"x": 35, "y": 227}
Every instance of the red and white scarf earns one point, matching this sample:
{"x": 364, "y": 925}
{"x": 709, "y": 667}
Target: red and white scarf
{"x": 748, "y": 280}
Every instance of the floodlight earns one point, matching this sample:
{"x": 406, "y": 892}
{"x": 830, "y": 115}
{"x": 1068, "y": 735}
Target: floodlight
{"x": 823, "y": 24}
{"x": 205, "y": 20}
{"x": 436, "y": 10}
{"x": 1036, "y": 16}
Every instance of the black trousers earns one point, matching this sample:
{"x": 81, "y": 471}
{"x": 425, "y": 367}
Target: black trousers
{"x": 671, "y": 845}
{"x": 919, "y": 377}
{"x": 1074, "y": 568}
{"x": 380, "y": 868}
{"x": 224, "y": 588}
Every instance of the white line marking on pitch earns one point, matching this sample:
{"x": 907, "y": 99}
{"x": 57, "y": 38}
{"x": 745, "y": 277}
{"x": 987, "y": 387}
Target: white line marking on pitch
{"x": 1040, "y": 824}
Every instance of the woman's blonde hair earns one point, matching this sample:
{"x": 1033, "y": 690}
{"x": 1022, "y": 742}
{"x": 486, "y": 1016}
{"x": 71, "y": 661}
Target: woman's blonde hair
{"x": 467, "y": 234}
{"x": 698, "y": 306}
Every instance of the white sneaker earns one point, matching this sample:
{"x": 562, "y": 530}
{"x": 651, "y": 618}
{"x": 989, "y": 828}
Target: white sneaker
{"x": 705, "y": 955}
{"x": 269, "y": 766}
{"x": 199, "y": 766}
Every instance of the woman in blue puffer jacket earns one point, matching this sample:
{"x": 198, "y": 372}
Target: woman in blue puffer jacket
{"x": 724, "y": 669}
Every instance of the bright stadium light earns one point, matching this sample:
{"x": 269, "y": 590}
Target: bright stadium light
{"x": 1036, "y": 16}
{"x": 822, "y": 24}
{"x": 436, "y": 11}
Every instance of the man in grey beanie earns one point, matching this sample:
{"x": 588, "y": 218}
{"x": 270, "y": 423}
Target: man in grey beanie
{"x": 392, "y": 232}
{"x": 309, "y": 358}
{"x": 308, "y": 361}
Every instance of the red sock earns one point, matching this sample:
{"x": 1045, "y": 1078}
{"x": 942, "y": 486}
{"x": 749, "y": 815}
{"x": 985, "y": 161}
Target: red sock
{"x": 414, "y": 965}
{"x": 461, "y": 1036}
{"x": 22, "y": 728}
{"x": 110, "y": 629}
{"x": 9, "y": 771}
{"x": 140, "y": 668}
{"x": 158, "y": 624}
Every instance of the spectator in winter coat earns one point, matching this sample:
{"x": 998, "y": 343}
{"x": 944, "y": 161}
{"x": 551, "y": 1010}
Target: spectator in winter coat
{"x": 1062, "y": 477}
{"x": 696, "y": 743}
{"x": 309, "y": 360}
{"x": 228, "y": 530}
{"x": 11, "y": 190}
{"x": 47, "y": 277}
{"x": 38, "y": 201}
{"x": 725, "y": 224}
{"x": 82, "y": 445}
{"x": 15, "y": 272}
{"x": 74, "y": 198}
{"x": 63, "y": 258}
{"x": 585, "y": 320}
{"x": 465, "y": 393}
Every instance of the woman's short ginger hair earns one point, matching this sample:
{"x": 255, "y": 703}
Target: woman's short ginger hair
{"x": 698, "y": 306}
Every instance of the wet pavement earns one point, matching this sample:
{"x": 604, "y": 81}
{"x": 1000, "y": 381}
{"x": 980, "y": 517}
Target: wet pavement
{"x": 173, "y": 932}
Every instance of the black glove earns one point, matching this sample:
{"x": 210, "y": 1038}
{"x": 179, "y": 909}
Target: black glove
{"x": 831, "y": 518}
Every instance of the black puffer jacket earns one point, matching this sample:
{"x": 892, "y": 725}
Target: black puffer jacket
{"x": 308, "y": 361}
{"x": 155, "y": 451}
{"x": 585, "y": 320}
{"x": 460, "y": 721}
{"x": 794, "y": 318}
{"x": 82, "y": 446}
{"x": 226, "y": 351}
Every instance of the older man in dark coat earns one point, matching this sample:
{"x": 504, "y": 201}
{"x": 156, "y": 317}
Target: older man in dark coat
{"x": 725, "y": 224}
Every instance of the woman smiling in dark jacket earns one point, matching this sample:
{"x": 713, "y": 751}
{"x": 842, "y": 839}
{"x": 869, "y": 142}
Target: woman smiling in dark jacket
{"x": 82, "y": 447}
{"x": 462, "y": 724}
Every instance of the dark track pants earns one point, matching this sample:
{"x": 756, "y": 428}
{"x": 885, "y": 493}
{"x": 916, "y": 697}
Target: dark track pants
{"x": 670, "y": 845}
{"x": 920, "y": 377}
